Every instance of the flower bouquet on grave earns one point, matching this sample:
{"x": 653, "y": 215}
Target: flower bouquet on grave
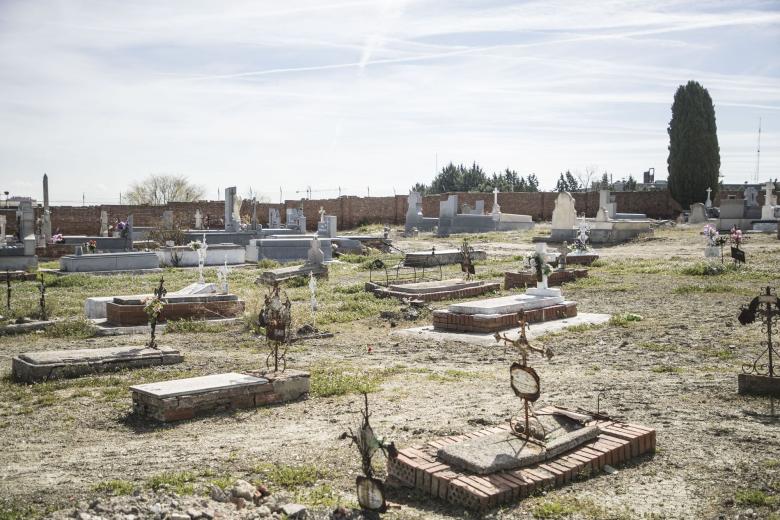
{"x": 538, "y": 263}
{"x": 736, "y": 237}
{"x": 710, "y": 234}
{"x": 91, "y": 246}
{"x": 56, "y": 239}
{"x": 123, "y": 229}
{"x": 194, "y": 245}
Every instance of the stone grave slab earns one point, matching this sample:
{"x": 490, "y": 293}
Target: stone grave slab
{"x": 31, "y": 367}
{"x": 285, "y": 273}
{"x": 506, "y": 304}
{"x": 187, "y": 398}
{"x": 433, "y": 290}
{"x": 129, "y": 311}
{"x": 422, "y": 468}
{"x": 102, "y": 262}
{"x": 428, "y": 332}
{"x": 95, "y": 307}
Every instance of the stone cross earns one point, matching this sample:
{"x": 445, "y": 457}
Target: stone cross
{"x": 198, "y": 219}
{"x": 2, "y": 230}
{"x": 496, "y": 207}
{"x": 322, "y": 214}
{"x": 46, "y": 224}
{"x": 222, "y": 275}
{"x": 708, "y": 204}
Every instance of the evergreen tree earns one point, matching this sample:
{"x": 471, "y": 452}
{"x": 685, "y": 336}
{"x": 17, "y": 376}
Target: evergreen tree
{"x": 572, "y": 184}
{"x": 694, "y": 154}
{"x": 561, "y": 185}
{"x": 630, "y": 184}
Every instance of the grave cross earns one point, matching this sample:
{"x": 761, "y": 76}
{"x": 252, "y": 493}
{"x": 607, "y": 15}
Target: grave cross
{"x": 8, "y": 289}
{"x": 322, "y": 214}
{"x": 767, "y": 307}
{"x": 42, "y": 301}
{"x": 153, "y": 309}
{"x": 709, "y": 201}
{"x": 276, "y": 317}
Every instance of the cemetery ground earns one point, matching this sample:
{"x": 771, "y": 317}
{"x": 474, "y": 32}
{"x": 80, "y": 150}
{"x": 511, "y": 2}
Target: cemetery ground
{"x": 668, "y": 359}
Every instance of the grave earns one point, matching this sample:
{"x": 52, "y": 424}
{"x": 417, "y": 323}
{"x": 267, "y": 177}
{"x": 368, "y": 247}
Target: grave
{"x": 216, "y": 254}
{"x": 435, "y": 258}
{"x": 286, "y": 249}
{"x": 529, "y": 277}
{"x": 95, "y": 307}
{"x": 18, "y": 252}
{"x": 770, "y": 212}
{"x": 179, "y": 399}
{"x": 424, "y": 468}
{"x": 415, "y": 220}
{"x": 433, "y": 290}
{"x": 315, "y": 265}
{"x": 32, "y": 367}
{"x": 129, "y": 311}
{"x": 450, "y": 221}
{"x": 698, "y": 213}
{"x": 110, "y": 262}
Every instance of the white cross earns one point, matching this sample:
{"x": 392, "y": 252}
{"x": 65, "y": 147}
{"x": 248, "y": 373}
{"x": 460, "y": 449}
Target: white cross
{"x": 709, "y": 201}
{"x": 322, "y": 214}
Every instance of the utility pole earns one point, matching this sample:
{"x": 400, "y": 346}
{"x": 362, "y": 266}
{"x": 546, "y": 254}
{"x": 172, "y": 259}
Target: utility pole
{"x": 83, "y": 199}
{"x": 758, "y": 150}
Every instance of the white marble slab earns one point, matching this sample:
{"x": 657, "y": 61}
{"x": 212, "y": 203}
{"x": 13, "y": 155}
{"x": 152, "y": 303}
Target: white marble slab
{"x": 476, "y": 338}
{"x": 196, "y": 385}
{"x": 505, "y": 304}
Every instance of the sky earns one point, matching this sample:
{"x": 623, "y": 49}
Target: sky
{"x": 370, "y": 97}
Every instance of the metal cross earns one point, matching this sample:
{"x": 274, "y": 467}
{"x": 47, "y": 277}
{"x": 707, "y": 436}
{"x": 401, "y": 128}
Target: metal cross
{"x": 769, "y": 314}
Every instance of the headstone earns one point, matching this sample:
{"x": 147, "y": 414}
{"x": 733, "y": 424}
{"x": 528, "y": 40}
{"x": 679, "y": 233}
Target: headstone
{"x": 274, "y": 220}
{"x": 167, "y": 219}
{"x": 2, "y": 230}
{"x": 222, "y": 276}
{"x": 230, "y": 199}
{"x": 479, "y": 208}
{"x": 751, "y": 196}
{"x": 254, "y": 213}
{"x": 698, "y": 213}
{"x": 322, "y": 214}
{"x": 26, "y": 219}
{"x": 768, "y": 209}
{"x": 496, "y": 207}
{"x": 236, "y": 215}
{"x": 708, "y": 204}
{"x": 198, "y": 219}
{"x": 104, "y": 223}
{"x": 46, "y": 224}
{"x": 413, "y": 211}
{"x": 605, "y": 201}
{"x": 601, "y": 215}
{"x": 564, "y": 215}
{"x": 129, "y": 235}
{"x": 316, "y": 256}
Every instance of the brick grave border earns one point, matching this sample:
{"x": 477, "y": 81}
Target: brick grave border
{"x": 419, "y": 467}
{"x": 581, "y": 259}
{"x": 381, "y": 291}
{"x": 122, "y": 315}
{"x": 525, "y": 279}
{"x": 444, "y": 319}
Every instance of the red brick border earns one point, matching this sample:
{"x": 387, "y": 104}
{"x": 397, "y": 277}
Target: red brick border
{"x": 418, "y": 467}
{"x": 525, "y": 279}
{"x": 384, "y": 292}
{"x": 446, "y": 320}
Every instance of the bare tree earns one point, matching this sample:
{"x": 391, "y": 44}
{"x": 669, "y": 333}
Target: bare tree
{"x": 158, "y": 190}
{"x": 585, "y": 178}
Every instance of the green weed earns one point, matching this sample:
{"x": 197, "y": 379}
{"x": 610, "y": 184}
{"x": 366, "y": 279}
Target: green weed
{"x": 754, "y": 498}
{"x": 191, "y": 326}
{"x": 178, "y": 481}
{"x": 72, "y": 329}
{"x": 624, "y": 320}
{"x": 114, "y": 487}
{"x": 328, "y": 381}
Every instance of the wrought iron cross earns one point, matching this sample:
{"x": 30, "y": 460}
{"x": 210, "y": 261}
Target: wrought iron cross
{"x": 8, "y": 289}
{"x": 42, "y": 301}
{"x": 767, "y": 307}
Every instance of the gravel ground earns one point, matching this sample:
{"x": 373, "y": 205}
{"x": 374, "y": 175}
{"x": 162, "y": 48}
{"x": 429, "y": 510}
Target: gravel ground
{"x": 69, "y": 443}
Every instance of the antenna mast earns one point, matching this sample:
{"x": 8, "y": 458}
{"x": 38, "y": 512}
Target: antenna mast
{"x": 758, "y": 150}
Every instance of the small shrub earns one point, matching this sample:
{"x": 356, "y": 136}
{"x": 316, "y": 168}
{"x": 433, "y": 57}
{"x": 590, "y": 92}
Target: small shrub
{"x": 657, "y": 347}
{"x": 73, "y": 329}
{"x": 624, "y": 320}
{"x": 553, "y": 509}
{"x": 349, "y": 289}
{"x": 336, "y": 380}
{"x": 754, "y": 497}
{"x": 267, "y": 263}
{"x": 193, "y": 326}
{"x": 298, "y": 281}
{"x": 179, "y": 482}
{"x": 114, "y": 487}
{"x": 598, "y": 263}
{"x": 706, "y": 269}
{"x": 290, "y": 477}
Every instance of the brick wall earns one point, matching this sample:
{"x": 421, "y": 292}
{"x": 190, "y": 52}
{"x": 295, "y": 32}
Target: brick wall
{"x": 352, "y": 211}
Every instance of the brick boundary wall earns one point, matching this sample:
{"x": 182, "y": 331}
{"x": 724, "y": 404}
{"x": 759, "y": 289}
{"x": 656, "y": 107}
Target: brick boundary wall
{"x": 352, "y": 211}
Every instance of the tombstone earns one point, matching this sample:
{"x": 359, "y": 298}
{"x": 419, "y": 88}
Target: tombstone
{"x": 605, "y": 201}
{"x": 2, "y": 230}
{"x": 768, "y": 209}
{"x": 231, "y": 223}
{"x": 732, "y": 209}
{"x": 46, "y": 224}
{"x": 274, "y": 220}
{"x": 465, "y": 209}
{"x": 104, "y": 223}
{"x": 751, "y": 197}
{"x": 198, "y": 219}
{"x": 25, "y": 216}
{"x": 129, "y": 233}
{"x": 315, "y": 255}
{"x": 479, "y": 208}
{"x": 167, "y": 219}
{"x": 447, "y": 211}
{"x": 413, "y": 211}
{"x": 698, "y": 213}
{"x": 327, "y": 226}
{"x": 564, "y": 215}
{"x": 496, "y": 207}
{"x": 322, "y": 214}
{"x": 708, "y": 204}
{"x": 602, "y": 215}
{"x": 254, "y": 214}
{"x": 236, "y": 215}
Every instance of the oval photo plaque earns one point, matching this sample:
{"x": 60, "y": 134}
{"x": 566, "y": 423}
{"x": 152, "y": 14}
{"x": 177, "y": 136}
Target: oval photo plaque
{"x": 525, "y": 382}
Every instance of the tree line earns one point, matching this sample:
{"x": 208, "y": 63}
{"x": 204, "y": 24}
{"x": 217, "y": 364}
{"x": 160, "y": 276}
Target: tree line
{"x": 473, "y": 178}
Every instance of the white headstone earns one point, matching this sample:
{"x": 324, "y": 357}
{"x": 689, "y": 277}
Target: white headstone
{"x": 202, "y": 258}
{"x": 103, "y": 223}
{"x": 274, "y": 220}
{"x": 564, "y": 215}
{"x": 2, "y": 230}
{"x": 315, "y": 255}
{"x": 602, "y": 215}
{"x": 698, "y": 213}
{"x": 322, "y": 214}
{"x": 708, "y": 204}
{"x": 414, "y": 208}
{"x": 198, "y": 219}
{"x": 768, "y": 210}
{"x": 167, "y": 219}
{"x": 236, "y": 215}
{"x": 496, "y": 207}
{"x": 222, "y": 276}
{"x": 751, "y": 197}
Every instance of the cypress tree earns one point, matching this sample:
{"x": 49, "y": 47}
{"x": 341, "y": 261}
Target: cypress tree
{"x": 694, "y": 154}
